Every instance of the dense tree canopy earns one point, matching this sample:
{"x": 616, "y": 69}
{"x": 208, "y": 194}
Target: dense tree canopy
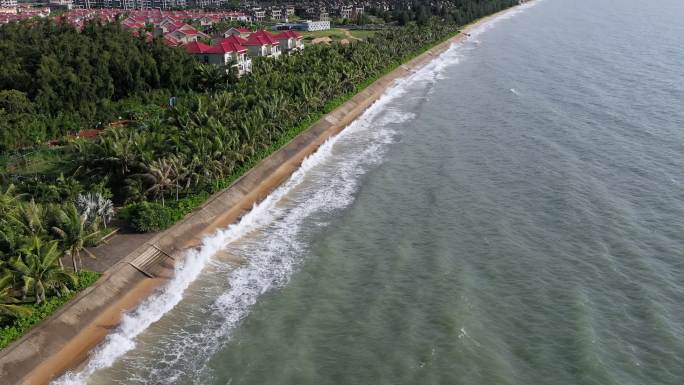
{"x": 209, "y": 135}
{"x": 460, "y": 12}
{"x": 56, "y": 78}
{"x": 164, "y": 161}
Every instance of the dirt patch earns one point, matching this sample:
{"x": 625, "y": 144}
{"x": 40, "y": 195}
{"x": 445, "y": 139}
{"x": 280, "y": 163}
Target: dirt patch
{"x": 350, "y": 36}
{"x": 321, "y": 40}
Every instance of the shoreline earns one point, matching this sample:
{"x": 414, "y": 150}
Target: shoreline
{"x": 63, "y": 341}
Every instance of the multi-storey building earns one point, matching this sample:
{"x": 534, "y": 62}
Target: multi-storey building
{"x": 345, "y": 12}
{"x": 290, "y": 42}
{"x": 137, "y": 4}
{"x": 228, "y": 51}
{"x": 203, "y": 3}
{"x": 8, "y": 4}
{"x": 320, "y": 25}
{"x": 313, "y": 13}
{"x": 306, "y": 25}
{"x": 258, "y": 14}
{"x": 61, "y": 4}
{"x": 277, "y": 14}
{"x": 262, "y": 44}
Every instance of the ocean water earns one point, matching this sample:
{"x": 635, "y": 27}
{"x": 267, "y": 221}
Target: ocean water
{"x": 511, "y": 214}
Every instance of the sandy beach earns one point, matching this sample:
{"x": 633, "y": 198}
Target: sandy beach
{"x": 62, "y": 341}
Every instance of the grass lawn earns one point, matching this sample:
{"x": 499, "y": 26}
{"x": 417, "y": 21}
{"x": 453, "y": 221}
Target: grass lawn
{"x": 41, "y": 160}
{"x": 362, "y": 34}
{"x": 336, "y": 34}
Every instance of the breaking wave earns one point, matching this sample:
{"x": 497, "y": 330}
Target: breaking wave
{"x": 267, "y": 244}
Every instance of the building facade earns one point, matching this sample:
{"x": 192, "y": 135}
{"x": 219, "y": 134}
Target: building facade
{"x": 8, "y": 3}
{"x": 307, "y": 25}
{"x": 258, "y": 14}
{"x": 345, "y": 12}
{"x": 225, "y": 52}
{"x": 263, "y": 44}
{"x": 138, "y": 4}
{"x": 320, "y": 25}
{"x": 290, "y": 42}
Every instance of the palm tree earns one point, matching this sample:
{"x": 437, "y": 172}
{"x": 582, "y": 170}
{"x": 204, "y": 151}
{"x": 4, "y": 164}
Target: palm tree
{"x": 29, "y": 217}
{"x": 161, "y": 175}
{"x": 8, "y": 304}
{"x": 214, "y": 132}
{"x": 9, "y": 200}
{"x": 40, "y": 271}
{"x": 104, "y": 209}
{"x": 210, "y": 77}
{"x": 115, "y": 153}
{"x": 75, "y": 233}
{"x": 95, "y": 207}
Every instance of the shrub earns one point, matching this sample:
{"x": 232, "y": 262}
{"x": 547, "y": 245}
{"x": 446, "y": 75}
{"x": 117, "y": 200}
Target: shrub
{"x": 21, "y": 326}
{"x": 148, "y": 216}
{"x": 152, "y": 216}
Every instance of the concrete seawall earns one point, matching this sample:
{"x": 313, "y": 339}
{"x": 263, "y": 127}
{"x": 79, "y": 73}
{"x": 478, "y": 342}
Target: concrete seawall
{"x": 62, "y": 341}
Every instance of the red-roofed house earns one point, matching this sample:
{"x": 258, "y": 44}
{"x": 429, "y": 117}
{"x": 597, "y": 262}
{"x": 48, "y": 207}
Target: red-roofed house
{"x": 231, "y": 39}
{"x": 131, "y": 23}
{"x": 262, "y": 43}
{"x": 225, "y": 52}
{"x": 171, "y": 41}
{"x": 168, "y": 26}
{"x": 186, "y": 34}
{"x": 208, "y": 20}
{"x": 169, "y": 20}
{"x": 290, "y": 41}
{"x": 242, "y": 32}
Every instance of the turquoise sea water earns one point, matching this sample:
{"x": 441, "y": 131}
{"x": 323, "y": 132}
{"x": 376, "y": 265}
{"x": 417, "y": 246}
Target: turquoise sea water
{"x": 512, "y": 214}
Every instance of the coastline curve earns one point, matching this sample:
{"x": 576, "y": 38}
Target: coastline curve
{"x": 63, "y": 341}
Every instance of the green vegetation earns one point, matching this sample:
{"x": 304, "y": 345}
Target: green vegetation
{"x": 36, "y": 313}
{"x": 337, "y": 34}
{"x": 362, "y": 19}
{"x": 175, "y": 157}
{"x": 36, "y": 239}
{"x": 210, "y": 135}
{"x": 158, "y": 163}
{"x": 460, "y": 12}
{"x": 152, "y": 216}
{"x": 362, "y": 34}
{"x": 37, "y": 160}
{"x": 56, "y": 79}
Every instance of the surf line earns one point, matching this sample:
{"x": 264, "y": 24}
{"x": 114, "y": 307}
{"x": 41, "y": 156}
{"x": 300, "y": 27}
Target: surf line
{"x": 122, "y": 288}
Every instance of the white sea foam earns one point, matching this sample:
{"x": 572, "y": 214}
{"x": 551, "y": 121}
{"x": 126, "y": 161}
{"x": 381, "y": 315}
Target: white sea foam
{"x": 331, "y": 175}
{"x": 266, "y": 268}
{"x": 481, "y": 28}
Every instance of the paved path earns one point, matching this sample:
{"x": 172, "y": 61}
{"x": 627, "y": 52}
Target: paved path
{"x": 115, "y": 249}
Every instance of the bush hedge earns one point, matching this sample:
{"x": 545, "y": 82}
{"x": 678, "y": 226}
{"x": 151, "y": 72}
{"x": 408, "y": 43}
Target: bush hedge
{"x": 152, "y": 216}
{"x": 21, "y": 326}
